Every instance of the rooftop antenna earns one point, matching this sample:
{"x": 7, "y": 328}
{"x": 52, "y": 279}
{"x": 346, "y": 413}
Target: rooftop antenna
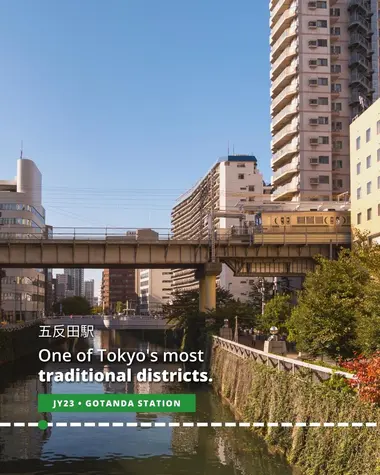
{"x": 21, "y": 151}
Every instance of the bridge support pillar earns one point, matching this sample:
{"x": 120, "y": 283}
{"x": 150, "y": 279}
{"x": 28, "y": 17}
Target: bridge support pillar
{"x": 207, "y": 285}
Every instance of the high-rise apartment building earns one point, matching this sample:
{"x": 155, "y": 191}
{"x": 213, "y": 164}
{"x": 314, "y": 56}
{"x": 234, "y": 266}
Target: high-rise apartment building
{"x": 21, "y": 213}
{"x": 75, "y": 283}
{"x": 118, "y": 285}
{"x": 365, "y": 172}
{"x": 231, "y": 182}
{"x": 323, "y": 73}
{"x": 155, "y": 289}
{"x": 89, "y": 287}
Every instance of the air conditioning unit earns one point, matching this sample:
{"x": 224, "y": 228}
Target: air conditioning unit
{"x": 314, "y": 141}
{"x": 314, "y": 161}
{"x": 313, "y": 102}
{"x": 314, "y": 181}
{"x": 312, "y": 5}
{"x": 313, "y": 82}
{"x": 313, "y": 121}
{"x": 312, "y": 24}
{"x": 313, "y": 63}
{"x": 313, "y": 44}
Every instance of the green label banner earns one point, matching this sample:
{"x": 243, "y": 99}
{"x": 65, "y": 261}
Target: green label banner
{"x": 116, "y": 403}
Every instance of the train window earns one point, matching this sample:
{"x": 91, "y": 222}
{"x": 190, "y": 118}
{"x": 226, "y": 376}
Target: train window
{"x": 282, "y": 221}
{"x": 332, "y": 220}
{"x": 310, "y": 220}
{"x": 319, "y": 220}
{"x": 300, "y": 220}
{"x": 288, "y": 221}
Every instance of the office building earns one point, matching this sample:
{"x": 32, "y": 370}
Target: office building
{"x": 118, "y": 285}
{"x": 89, "y": 291}
{"x": 365, "y": 172}
{"x": 21, "y": 213}
{"x": 155, "y": 289}
{"x": 75, "y": 283}
{"x": 324, "y": 72}
{"x": 231, "y": 182}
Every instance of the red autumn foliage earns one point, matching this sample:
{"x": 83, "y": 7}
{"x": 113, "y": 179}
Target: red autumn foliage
{"x": 367, "y": 381}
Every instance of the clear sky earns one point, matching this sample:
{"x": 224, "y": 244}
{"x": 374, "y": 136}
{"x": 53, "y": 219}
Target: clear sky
{"x": 125, "y": 104}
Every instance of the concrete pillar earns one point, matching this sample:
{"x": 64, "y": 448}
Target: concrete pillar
{"x": 202, "y": 294}
{"x": 207, "y": 285}
{"x": 210, "y": 294}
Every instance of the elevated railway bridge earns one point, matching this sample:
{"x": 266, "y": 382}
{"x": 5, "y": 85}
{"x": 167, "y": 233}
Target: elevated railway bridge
{"x": 269, "y": 248}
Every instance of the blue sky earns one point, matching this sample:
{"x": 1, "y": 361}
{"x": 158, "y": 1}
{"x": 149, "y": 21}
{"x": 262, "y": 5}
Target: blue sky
{"x": 125, "y": 104}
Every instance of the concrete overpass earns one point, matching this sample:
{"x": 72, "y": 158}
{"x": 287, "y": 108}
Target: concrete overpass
{"x": 277, "y": 251}
{"x": 136, "y": 322}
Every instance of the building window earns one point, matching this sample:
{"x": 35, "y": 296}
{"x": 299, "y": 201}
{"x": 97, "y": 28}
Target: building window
{"x": 322, "y": 23}
{"x": 241, "y": 165}
{"x": 334, "y": 11}
{"x": 378, "y": 127}
{"x": 368, "y": 161}
{"x": 324, "y": 179}
{"x": 322, "y": 62}
{"x": 378, "y": 210}
{"x": 369, "y": 214}
{"x": 323, "y": 120}
{"x": 357, "y": 143}
{"x": 323, "y": 82}
{"x": 358, "y": 166}
{"x": 369, "y": 187}
{"x": 378, "y": 154}
{"x": 322, "y": 139}
{"x": 358, "y": 193}
{"x": 336, "y": 88}
{"x": 324, "y": 160}
{"x": 359, "y": 218}
{"x": 251, "y": 188}
{"x": 338, "y": 145}
{"x": 241, "y": 176}
{"x": 368, "y": 135}
{"x": 323, "y": 101}
{"x": 335, "y": 31}
{"x": 336, "y": 68}
{"x": 336, "y": 106}
{"x": 335, "y": 49}
{"x": 322, "y": 43}
{"x": 321, "y": 4}
{"x": 337, "y": 164}
{"x": 378, "y": 182}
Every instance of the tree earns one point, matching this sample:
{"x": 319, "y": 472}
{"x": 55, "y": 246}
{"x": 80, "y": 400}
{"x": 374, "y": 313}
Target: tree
{"x": 73, "y": 306}
{"x": 255, "y": 297}
{"x": 119, "y": 307}
{"x": 367, "y": 380}
{"x": 277, "y": 313}
{"x": 96, "y": 310}
{"x": 325, "y": 319}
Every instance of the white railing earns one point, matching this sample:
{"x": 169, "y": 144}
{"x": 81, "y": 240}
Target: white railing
{"x": 290, "y": 70}
{"x": 292, "y": 11}
{"x": 286, "y": 111}
{"x": 287, "y": 34}
{"x": 292, "y": 89}
{"x": 288, "y": 52}
{"x": 282, "y": 363}
{"x": 292, "y": 166}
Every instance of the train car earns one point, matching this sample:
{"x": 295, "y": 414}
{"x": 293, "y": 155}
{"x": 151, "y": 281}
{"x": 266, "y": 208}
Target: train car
{"x": 318, "y": 220}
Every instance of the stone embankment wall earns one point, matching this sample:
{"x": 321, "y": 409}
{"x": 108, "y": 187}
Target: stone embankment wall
{"x": 17, "y": 343}
{"x": 257, "y": 393}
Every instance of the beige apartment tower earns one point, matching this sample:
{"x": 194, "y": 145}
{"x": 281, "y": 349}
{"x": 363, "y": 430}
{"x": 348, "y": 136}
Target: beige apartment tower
{"x": 321, "y": 78}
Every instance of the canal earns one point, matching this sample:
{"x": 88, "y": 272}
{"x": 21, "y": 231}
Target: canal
{"x": 122, "y": 450}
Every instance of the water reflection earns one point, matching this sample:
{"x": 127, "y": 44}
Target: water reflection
{"x": 122, "y": 450}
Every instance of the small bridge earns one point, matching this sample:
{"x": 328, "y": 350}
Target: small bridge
{"x": 135, "y": 322}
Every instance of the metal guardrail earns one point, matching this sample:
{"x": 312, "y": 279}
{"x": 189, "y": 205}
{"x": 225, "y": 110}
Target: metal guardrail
{"x": 122, "y": 234}
{"x": 281, "y": 363}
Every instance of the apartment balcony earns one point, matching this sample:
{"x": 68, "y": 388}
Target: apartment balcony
{"x": 283, "y": 41}
{"x": 283, "y": 22}
{"x": 284, "y": 78}
{"x": 284, "y": 98}
{"x": 284, "y": 60}
{"x": 285, "y": 153}
{"x": 284, "y": 135}
{"x": 284, "y": 116}
{"x": 286, "y": 192}
{"x": 284, "y": 173}
{"x": 277, "y": 9}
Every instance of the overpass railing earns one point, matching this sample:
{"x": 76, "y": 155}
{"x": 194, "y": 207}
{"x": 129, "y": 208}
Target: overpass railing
{"x": 281, "y": 363}
{"x": 255, "y": 233}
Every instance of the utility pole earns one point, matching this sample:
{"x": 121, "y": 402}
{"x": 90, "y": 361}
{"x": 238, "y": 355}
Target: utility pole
{"x": 38, "y": 295}
{"x": 262, "y": 296}
{"x": 236, "y": 336}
